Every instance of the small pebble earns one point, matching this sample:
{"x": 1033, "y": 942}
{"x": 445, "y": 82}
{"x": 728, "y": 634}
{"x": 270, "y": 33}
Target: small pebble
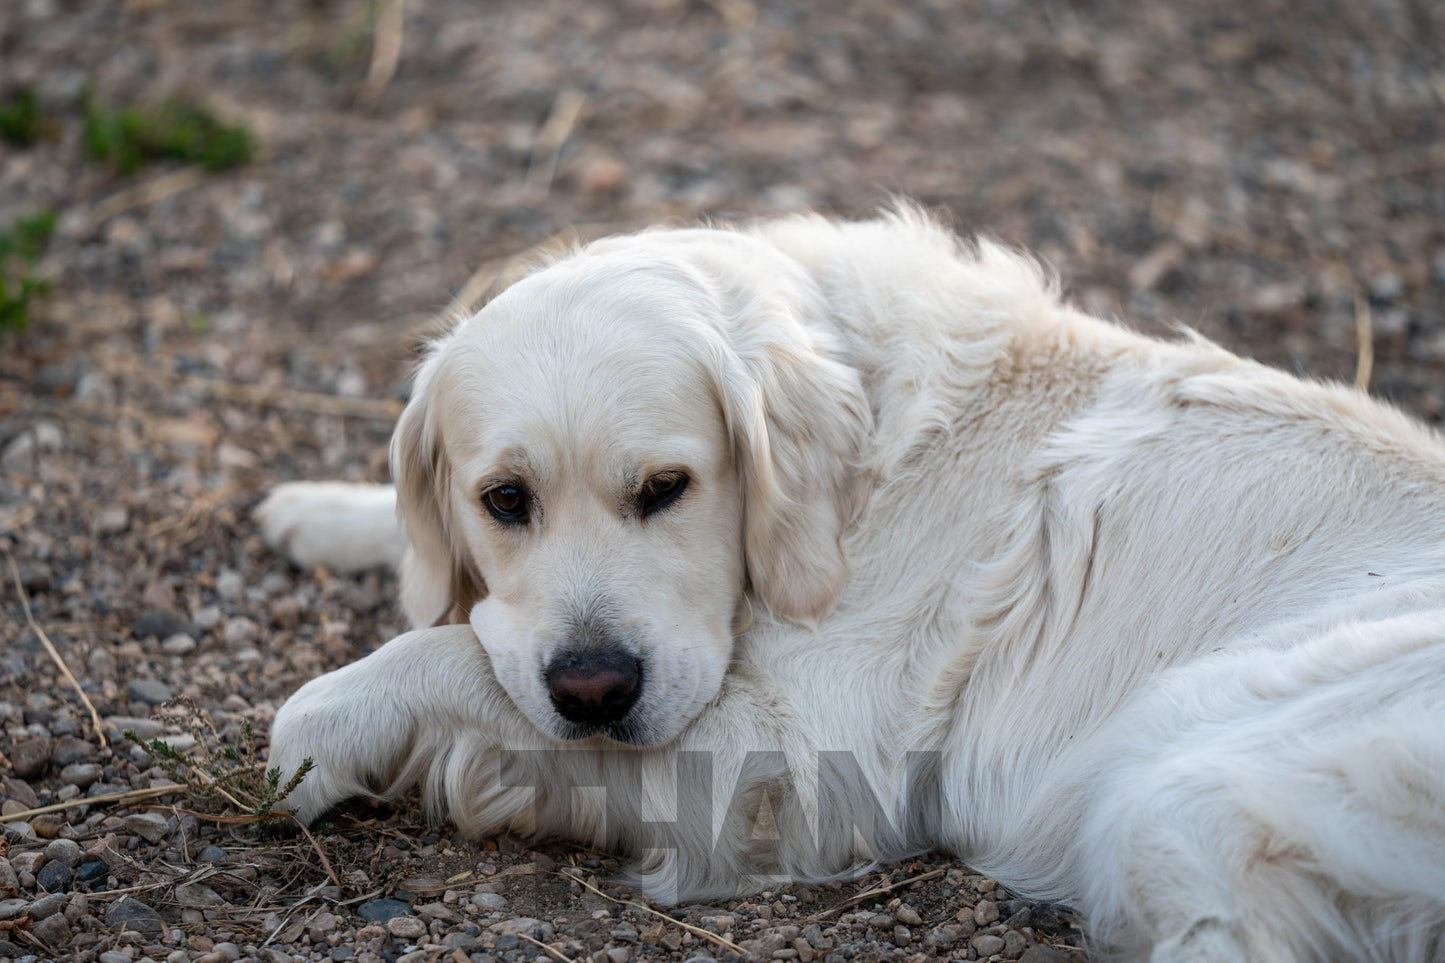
{"x": 381, "y": 910}
{"x": 80, "y": 774}
{"x": 406, "y": 927}
{"x": 150, "y": 691}
{"x": 179, "y": 644}
{"x": 54, "y": 877}
{"x": 987, "y": 945}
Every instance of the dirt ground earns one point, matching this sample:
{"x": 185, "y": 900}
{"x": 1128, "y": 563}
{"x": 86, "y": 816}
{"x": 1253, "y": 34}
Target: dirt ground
{"x": 1270, "y": 173}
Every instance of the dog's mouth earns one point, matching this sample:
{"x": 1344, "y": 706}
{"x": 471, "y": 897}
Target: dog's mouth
{"x": 626, "y": 732}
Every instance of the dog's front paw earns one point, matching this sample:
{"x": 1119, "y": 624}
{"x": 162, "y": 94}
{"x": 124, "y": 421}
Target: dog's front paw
{"x": 315, "y": 725}
{"x": 345, "y": 527}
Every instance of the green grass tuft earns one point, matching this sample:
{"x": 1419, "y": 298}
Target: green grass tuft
{"x": 20, "y": 119}
{"x": 131, "y": 137}
{"x": 20, "y": 248}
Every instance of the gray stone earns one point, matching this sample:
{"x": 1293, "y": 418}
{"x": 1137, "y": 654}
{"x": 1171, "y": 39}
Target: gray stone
{"x": 68, "y": 749}
{"x": 150, "y": 691}
{"x": 212, "y": 854}
{"x": 158, "y": 623}
{"x": 987, "y": 945}
{"x": 80, "y": 774}
{"x": 152, "y": 827}
{"x": 53, "y": 931}
{"x": 908, "y": 916}
{"x": 381, "y": 910}
{"x": 65, "y": 852}
{"x": 92, "y": 871}
{"x": 131, "y": 914}
{"x": 11, "y": 908}
{"x": 112, "y": 520}
{"x": 491, "y": 902}
{"x": 227, "y": 951}
{"x": 53, "y": 877}
{"x": 1013, "y": 944}
{"x": 30, "y": 756}
{"x": 47, "y": 905}
{"x": 406, "y": 927}
{"x": 114, "y": 956}
{"x": 230, "y": 585}
{"x": 179, "y": 644}
{"x": 240, "y": 631}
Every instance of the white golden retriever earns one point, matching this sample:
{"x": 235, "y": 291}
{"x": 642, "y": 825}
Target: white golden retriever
{"x": 863, "y": 520}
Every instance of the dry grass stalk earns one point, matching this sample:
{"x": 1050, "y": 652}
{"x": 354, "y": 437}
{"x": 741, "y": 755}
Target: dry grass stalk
{"x": 880, "y": 891}
{"x": 118, "y": 798}
{"x": 551, "y": 951}
{"x": 694, "y": 930}
{"x": 1365, "y": 342}
{"x": 150, "y": 192}
{"x": 50, "y": 648}
{"x": 313, "y": 402}
{"x": 385, "y": 50}
{"x": 542, "y": 165}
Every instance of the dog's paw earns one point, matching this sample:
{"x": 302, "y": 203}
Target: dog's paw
{"x": 315, "y": 726}
{"x": 344, "y": 527}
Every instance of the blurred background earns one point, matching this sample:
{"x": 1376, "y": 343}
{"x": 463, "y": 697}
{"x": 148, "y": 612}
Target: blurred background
{"x": 225, "y": 226}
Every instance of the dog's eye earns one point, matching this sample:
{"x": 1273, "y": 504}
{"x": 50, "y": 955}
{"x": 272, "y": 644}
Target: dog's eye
{"x": 507, "y": 503}
{"x": 660, "y": 491}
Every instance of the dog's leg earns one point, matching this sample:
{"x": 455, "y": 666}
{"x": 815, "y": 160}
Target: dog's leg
{"x": 345, "y": 527}
{"x": 380, "y": 724}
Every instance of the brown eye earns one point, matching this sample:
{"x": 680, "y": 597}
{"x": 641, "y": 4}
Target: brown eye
{"x": 507, "y": 503}
{"x": 660, "y": 491}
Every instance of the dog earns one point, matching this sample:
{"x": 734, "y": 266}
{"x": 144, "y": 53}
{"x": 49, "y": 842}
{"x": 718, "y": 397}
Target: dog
{"x": 818, "y": 543}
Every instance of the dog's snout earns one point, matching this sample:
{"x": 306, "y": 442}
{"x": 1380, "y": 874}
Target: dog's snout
{"x": 594, "y": 688}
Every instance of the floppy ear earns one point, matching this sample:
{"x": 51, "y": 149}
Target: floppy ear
{"x": 798, "y": 420}
{"x": 422, "y": 475}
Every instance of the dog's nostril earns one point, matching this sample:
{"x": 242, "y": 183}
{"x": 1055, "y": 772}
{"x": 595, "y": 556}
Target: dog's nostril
{"x": 594, "y": 688}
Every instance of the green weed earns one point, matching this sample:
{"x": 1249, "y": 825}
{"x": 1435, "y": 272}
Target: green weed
{"x": 20, "y": 119}
{"x": 20, "y": 248}
{"x": 131, "y": 137}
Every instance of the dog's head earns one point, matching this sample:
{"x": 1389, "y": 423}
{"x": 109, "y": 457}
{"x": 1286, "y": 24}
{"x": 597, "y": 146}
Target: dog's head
{"x": 614, "y": 454}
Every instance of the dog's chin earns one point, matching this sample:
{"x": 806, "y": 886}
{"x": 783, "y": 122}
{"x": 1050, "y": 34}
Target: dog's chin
{"x": 630, "y": 733}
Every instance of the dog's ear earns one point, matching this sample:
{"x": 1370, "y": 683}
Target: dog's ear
{"x": 798, "y": 419}
{"x": 422, "y": 475}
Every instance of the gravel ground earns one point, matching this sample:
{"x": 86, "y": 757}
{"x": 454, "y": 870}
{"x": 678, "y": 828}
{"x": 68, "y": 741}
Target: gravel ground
{"x": 1271, "y": 175}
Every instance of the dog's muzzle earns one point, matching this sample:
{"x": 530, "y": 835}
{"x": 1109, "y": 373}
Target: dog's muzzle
{"x": 594, "y": 688}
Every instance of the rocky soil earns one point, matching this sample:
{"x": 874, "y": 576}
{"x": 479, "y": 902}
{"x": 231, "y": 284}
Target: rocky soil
{"x": 1271, "y": 174}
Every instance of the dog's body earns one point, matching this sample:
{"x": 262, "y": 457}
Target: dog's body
{"x": 1163, "y": 629}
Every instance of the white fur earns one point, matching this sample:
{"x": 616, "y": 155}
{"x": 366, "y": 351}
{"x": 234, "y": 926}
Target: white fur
{"x": 1172, "y": 624}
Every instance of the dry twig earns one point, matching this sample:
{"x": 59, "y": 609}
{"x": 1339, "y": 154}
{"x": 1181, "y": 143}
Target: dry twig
{"x": 382, "y": 409}
{"x": 551, "y": 951}
{"x": 385, "y": 51}
{"x": 880, "y": 891}
{"x": 542, "y": 165}
{"x": 694, "y": 930}
{"x": 1365, "y": 342}
{"x": 150, "y": 192}
{"x": 50, "y": 648}
{"x": 119, "y": 798}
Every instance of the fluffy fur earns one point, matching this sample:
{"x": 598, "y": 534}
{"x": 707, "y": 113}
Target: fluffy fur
{"x": 1134, "y": 624}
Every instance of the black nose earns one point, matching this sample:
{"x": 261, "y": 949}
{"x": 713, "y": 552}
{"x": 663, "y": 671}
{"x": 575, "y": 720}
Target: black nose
{"x": 594, "y": 687}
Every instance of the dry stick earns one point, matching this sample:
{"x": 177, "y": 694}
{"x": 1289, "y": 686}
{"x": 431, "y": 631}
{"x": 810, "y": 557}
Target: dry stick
{"x": 1365, "y": 336}
{"x": 49, "y": 647}
{"x": 382, "y": 409}
{"x": 325, "y": 863}
{"x": 549, "y": 950}
{"x": 695, "y": 930}
{"x": 134, "y": 795}
{"x": 881, "y": 890}
{"x": 151, "y": 192}
{"x": 386, "y": 51}
{"x": 542, "y": 166}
